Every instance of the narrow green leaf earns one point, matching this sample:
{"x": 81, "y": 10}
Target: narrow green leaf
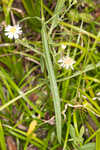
{"x": 92, "y": 136}
{"x": 98, "y": 141}
{"x": 53, "y": 83}
{"x": 68, "y": 129}
{"x": 75, "y": 123}
{"x": 2, "y": 139}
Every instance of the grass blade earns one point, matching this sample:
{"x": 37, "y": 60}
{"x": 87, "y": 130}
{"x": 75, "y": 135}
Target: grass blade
{"x": 7, "y": 7}
{"x": 2, "y": 139}
{"x": 98, "y": 141}
{"x": 59, "y": 6}
{"x": 53, "y": 83}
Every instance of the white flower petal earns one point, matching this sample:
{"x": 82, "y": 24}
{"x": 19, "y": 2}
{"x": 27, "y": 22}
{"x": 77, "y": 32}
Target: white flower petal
{"x": 6, "y": 33}
{"x": 67, "y": 67}
{"x": 63, "y": 46}
{"x": 60, "y": 60}
{"x": 10, "y": 36}
{"x": 16, "y": 36}
{"x": 17, "y": 26}
{"x": 19, "y": 32}
{"x": 72, "y": 67}
{"x": 8, "y": 28}
{"x": 98, "y": 94}
{"x": 62, "y": 65}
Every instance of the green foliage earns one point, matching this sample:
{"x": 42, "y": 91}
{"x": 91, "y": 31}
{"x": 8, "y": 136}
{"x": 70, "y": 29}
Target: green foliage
{"x": 89, "y": 146}
{"x": 65, "y": 103}
{"x": 77, "y": 141}
{"x": 75, "y": 16}
{"x": 33, "y": 10}
{"x": 6, "y": 8}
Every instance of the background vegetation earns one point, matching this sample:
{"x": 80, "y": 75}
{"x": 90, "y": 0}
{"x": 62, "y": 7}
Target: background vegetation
{"x": 42, "y": 105}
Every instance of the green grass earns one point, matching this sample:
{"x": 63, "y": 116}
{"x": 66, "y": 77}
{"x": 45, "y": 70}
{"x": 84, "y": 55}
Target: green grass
{"x": 65, "y": 103}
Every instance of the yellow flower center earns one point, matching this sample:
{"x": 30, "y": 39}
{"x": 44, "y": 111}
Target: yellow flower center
{"x": 68, "y": 61}
{"x": 13, "y": 30}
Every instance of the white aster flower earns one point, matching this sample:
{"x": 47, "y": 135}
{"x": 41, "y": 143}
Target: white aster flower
{"x": 13, "y": 31}
{"x": 67, "y": 62}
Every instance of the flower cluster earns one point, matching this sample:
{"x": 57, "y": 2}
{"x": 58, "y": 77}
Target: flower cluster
{"x": 13, "y": 32}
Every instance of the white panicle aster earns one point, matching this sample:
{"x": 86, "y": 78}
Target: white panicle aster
{"x": 13, "y": 31}
{"x": 67, "y": 62}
